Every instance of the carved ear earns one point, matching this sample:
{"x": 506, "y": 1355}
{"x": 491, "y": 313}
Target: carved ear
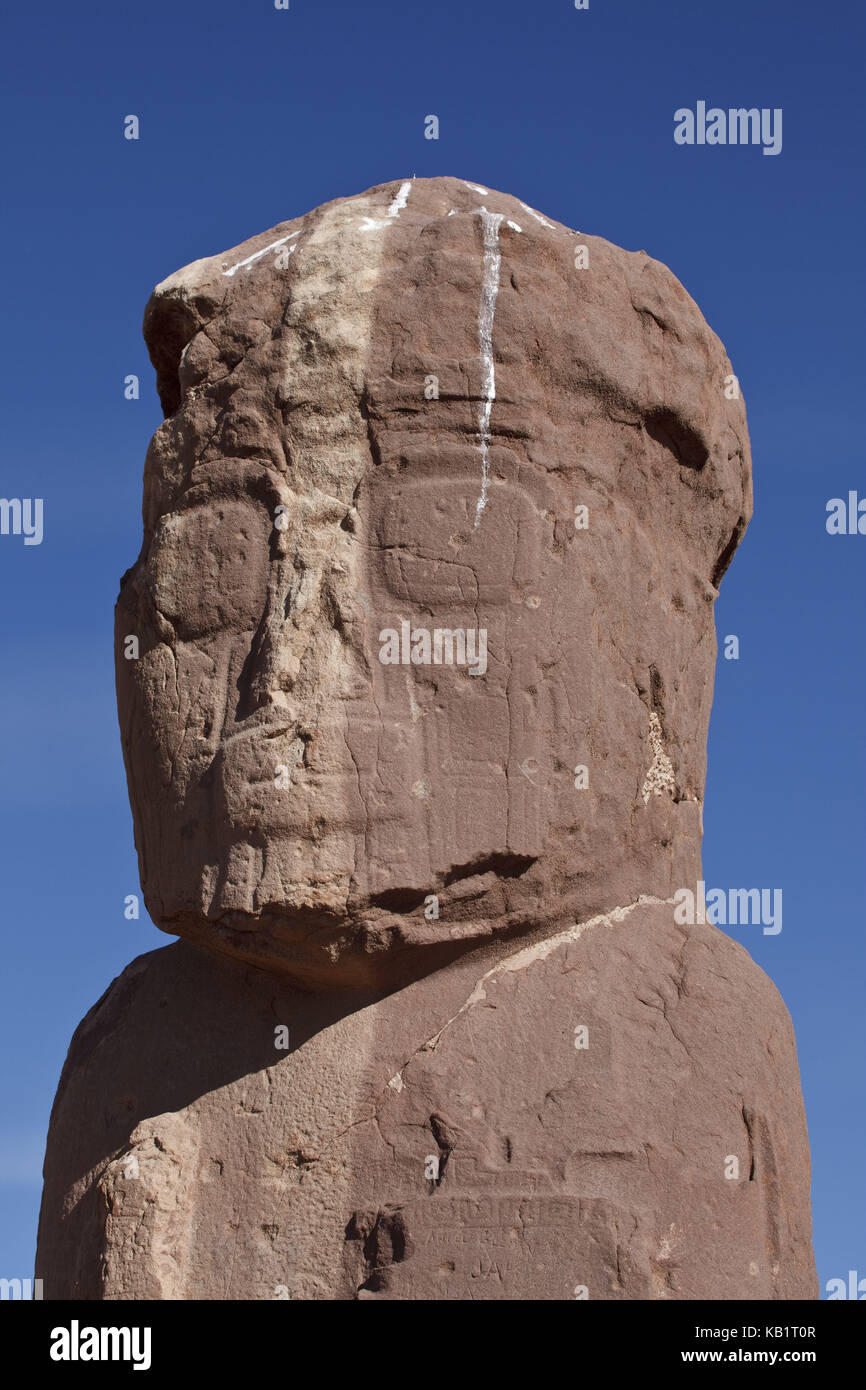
{"x": 171, "y": 320}
{"x": 178, "y": 309}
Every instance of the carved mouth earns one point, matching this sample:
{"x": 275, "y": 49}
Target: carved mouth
{"x": 406, "y": 900}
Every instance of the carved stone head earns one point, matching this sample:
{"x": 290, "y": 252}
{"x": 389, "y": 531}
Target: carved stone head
{"x": 433, "y": 528}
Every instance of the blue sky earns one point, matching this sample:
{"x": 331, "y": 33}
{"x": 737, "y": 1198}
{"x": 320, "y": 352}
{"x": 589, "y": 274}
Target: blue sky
{"x": 250, "y": 116}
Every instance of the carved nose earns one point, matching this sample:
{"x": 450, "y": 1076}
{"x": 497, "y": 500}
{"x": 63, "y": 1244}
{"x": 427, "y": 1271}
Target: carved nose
{"x": 266, "y": 674}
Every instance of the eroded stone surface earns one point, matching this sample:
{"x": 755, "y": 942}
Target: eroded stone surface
{"x": 304, "y": 1175}
{"x": 394, "y": 411}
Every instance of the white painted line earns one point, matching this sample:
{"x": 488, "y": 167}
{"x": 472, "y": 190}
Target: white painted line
{"x": 399, "y": 201}
{"x": 490, "y": 223}
{"x": 538, "y": 217}
{"x": 264, "y": 251}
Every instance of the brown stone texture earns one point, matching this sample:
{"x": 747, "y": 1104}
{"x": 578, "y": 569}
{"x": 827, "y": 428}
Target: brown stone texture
{"x": 510, "y": 1072}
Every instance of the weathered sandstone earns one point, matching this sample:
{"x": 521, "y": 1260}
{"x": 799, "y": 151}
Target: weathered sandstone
{"x": 423, "y": 417}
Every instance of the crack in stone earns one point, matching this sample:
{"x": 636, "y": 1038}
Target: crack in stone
{"x": 520, "y": 960}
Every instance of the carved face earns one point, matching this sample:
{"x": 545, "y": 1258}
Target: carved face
{"x": 433, "y": 523}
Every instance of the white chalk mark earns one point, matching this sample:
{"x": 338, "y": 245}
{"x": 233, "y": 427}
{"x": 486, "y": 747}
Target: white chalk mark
{"x": 490, "y": 223}
{"x": 538, "y": 217}
{"x": 514, "y": 227}
{"x": 476, "y": 187}
{"x": 264, "y": 251}
{"x": 414, "y": 707}
{"x": 453, "y": 212}
{"x": 398, "y": 202}
{"x": 401, "y": 199}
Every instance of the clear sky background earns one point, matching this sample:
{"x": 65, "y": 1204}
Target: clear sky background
{"x": 250, "y": 116}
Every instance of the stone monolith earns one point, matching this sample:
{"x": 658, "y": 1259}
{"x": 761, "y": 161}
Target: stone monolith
{"x": 414, "y": 676}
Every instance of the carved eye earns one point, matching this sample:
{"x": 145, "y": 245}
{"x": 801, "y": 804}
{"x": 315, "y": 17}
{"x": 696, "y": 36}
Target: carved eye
{"x": 430, "y": 551}
{"x": 208, "y": 567}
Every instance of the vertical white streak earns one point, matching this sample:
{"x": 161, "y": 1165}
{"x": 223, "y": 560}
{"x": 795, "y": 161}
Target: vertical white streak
{"x": 490, "y": 223}
{"x": 400, "y": 200}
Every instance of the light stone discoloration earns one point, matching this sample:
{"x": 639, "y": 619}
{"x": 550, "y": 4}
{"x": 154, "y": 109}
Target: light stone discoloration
{"x": 660, "y": 779}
